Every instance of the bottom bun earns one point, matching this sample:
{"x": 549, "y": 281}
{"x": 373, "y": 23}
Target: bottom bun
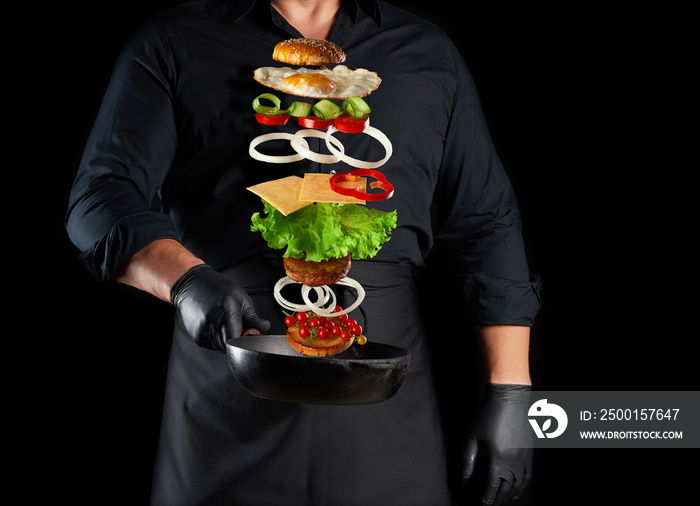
{"x": 317, "y": 347}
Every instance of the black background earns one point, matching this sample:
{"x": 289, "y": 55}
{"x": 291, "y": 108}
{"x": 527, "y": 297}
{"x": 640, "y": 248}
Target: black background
{"x": 590, "y": 112}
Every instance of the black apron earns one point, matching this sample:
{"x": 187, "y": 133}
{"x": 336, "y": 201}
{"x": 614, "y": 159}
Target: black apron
{"x": 221, "y": 445}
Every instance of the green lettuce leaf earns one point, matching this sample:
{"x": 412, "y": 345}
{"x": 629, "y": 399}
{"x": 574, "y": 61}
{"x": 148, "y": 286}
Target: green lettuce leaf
{"x": 324, "y": 231}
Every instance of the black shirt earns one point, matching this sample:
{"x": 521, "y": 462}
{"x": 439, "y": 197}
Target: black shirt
{"x": 176, "y": 123}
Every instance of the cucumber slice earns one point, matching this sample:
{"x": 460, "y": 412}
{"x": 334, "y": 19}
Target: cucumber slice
{"x": 265, "y": 109}
{"x": 326, "y": 110}
{"x": 299, "y": 109}
{"x": 355, "y": 107}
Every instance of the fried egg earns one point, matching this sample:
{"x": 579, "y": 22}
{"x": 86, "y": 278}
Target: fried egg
{"x": 338, "y": 83}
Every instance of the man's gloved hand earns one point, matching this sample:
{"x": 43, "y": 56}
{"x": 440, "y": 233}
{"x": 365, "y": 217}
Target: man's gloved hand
{"x": 214, "y": 308}
{"x": 500, "y": 440}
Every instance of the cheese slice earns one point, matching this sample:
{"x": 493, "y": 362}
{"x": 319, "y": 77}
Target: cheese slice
{"x": 317, "y": 188}
{"x": 282, "y": 194}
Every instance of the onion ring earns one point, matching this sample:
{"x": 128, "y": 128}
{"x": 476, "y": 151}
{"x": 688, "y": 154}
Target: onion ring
{"x": 317, "y": 306}
{"x": 304, "y": 150}
{"x": 323, "y": 292}
{"x": 270, "y": 158}
{"x": 331, "y": 310}
{"x": 361, "y": 164}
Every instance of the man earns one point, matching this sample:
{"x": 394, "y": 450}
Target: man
{"x": 176, "y": 122}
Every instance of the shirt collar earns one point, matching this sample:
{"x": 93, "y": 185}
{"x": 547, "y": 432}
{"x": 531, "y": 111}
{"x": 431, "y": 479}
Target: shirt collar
{"x": 371, "y": 7}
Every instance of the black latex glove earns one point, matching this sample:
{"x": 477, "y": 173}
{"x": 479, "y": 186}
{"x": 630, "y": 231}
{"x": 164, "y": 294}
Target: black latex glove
{"x": 500, "y": 443}
{"x": 213, "y": 308}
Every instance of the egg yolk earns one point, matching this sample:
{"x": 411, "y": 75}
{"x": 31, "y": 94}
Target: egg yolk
{"x": 317, "y": 81}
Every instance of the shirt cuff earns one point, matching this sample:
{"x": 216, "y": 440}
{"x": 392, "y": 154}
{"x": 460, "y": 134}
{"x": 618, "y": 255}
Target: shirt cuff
{"x": 126, "y": 238}
{"x": 491, "y": 300}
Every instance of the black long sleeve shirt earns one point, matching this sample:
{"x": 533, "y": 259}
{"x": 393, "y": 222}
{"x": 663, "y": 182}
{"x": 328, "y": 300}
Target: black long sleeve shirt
{"x": 176, "y": 122}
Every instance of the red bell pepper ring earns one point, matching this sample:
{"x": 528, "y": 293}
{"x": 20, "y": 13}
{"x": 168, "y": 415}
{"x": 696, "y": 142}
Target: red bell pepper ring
{"x": 349, "y": 175}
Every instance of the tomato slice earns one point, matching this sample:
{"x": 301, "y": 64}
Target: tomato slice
{"x": 350, "y": 125}
{"x": 312, "y": 121}
{"x": 272, "y": 119}
{"x": 349, "y": 175}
